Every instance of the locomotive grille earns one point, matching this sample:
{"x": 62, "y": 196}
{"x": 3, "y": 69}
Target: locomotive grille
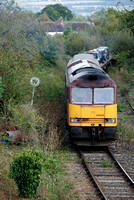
{"x": 93, "y": 120}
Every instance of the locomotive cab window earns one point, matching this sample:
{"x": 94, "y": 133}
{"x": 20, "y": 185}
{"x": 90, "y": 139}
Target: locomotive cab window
{"x": 104, "y": 95}
{"x": 81, "y": 95}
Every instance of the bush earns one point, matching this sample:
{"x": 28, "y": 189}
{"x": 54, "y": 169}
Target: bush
{"x": 80, "y": 42}
{"x": 121, "y": 42}
{"x": 122, "y": 57}
{"x": 26, "y": 170}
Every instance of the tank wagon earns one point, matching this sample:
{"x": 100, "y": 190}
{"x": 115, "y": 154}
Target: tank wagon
{"x": 91, "y": 100}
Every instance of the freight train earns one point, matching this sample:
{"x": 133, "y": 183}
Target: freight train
{"x": 101, "y": 54}
{"x": 91, "y": 100}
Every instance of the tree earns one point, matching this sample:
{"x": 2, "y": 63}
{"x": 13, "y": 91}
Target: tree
{"x": 56, "y": 11}
{"x": 127, "y": 19}
{"x": 108, "y": 19}
{"x": 43, "y": 18}
{"x": 68, "y": 30}
{"x": 51, "y": 13}
{"x": 9, "y": 5}
{"x": 21, "y": 42}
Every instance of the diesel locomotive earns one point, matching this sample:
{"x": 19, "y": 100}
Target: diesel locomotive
{"x": 91, "y": 100}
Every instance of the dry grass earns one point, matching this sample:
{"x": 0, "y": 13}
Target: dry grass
{"x": 53, "y": 131}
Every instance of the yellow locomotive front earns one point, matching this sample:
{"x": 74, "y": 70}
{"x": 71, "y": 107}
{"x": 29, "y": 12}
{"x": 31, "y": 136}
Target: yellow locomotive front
{"x": 91, "y": 101}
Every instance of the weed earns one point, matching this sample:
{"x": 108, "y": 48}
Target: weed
{"x": 76, "y": 176}
{"x": 107, "y": 163}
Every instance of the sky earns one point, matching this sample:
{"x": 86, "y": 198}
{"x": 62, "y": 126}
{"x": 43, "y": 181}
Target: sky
{"x": 79, "y": 7}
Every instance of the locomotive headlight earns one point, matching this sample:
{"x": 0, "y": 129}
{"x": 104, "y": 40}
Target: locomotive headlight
{"x": 75, "y": 120}
{"x": 110, "y": 120}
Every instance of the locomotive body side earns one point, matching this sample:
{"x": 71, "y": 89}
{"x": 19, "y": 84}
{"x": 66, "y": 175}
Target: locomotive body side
{"x": 91, "y": 100}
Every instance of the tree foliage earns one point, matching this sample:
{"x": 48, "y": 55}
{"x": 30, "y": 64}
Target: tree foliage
{"x": 56, "y": 11}
{"x": 112, "y": 19}
{"x": 128, "y": 21}
{"x": 80, "y": 42}
{"x": 9, "y": 5}
{"x": 43, "y": 18}
{"x": 68, "y": 30}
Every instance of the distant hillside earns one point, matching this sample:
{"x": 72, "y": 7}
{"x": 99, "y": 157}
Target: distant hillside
{"x": 80, "y": 7}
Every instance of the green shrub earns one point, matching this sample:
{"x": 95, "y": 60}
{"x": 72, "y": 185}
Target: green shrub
{"x": 121, "y": 43}
{"x": 80, "y": 42}
{"x": 122, "y": 57}
{"x": 26, "y": 170}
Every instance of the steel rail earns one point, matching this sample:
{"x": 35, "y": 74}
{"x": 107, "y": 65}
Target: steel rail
{"x": 103, "y": 197}
{"x": 121, "y": 168}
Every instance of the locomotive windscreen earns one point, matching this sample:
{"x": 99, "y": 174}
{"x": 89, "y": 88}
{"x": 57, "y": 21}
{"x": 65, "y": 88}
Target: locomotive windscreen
{"x": 81, "y": 95}
{"x": 104, "y": 95}
{"x": 92, "y": 95}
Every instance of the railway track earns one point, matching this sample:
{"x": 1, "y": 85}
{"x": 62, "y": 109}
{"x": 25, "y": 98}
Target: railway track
{"x": 109, "y": 177}
{"x": 128, "y": 166}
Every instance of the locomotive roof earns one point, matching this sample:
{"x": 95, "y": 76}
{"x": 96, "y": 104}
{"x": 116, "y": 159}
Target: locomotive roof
{"x": 83, "y": 56}
{"x": 84, "y": 66}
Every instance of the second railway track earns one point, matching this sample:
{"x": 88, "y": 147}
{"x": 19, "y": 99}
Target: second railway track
{"x": 109, "y": 177}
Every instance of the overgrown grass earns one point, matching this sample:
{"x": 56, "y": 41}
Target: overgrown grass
{"x": 125, "y": 129}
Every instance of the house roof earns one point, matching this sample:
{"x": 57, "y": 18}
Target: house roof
{"x": 61, "y": 26}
